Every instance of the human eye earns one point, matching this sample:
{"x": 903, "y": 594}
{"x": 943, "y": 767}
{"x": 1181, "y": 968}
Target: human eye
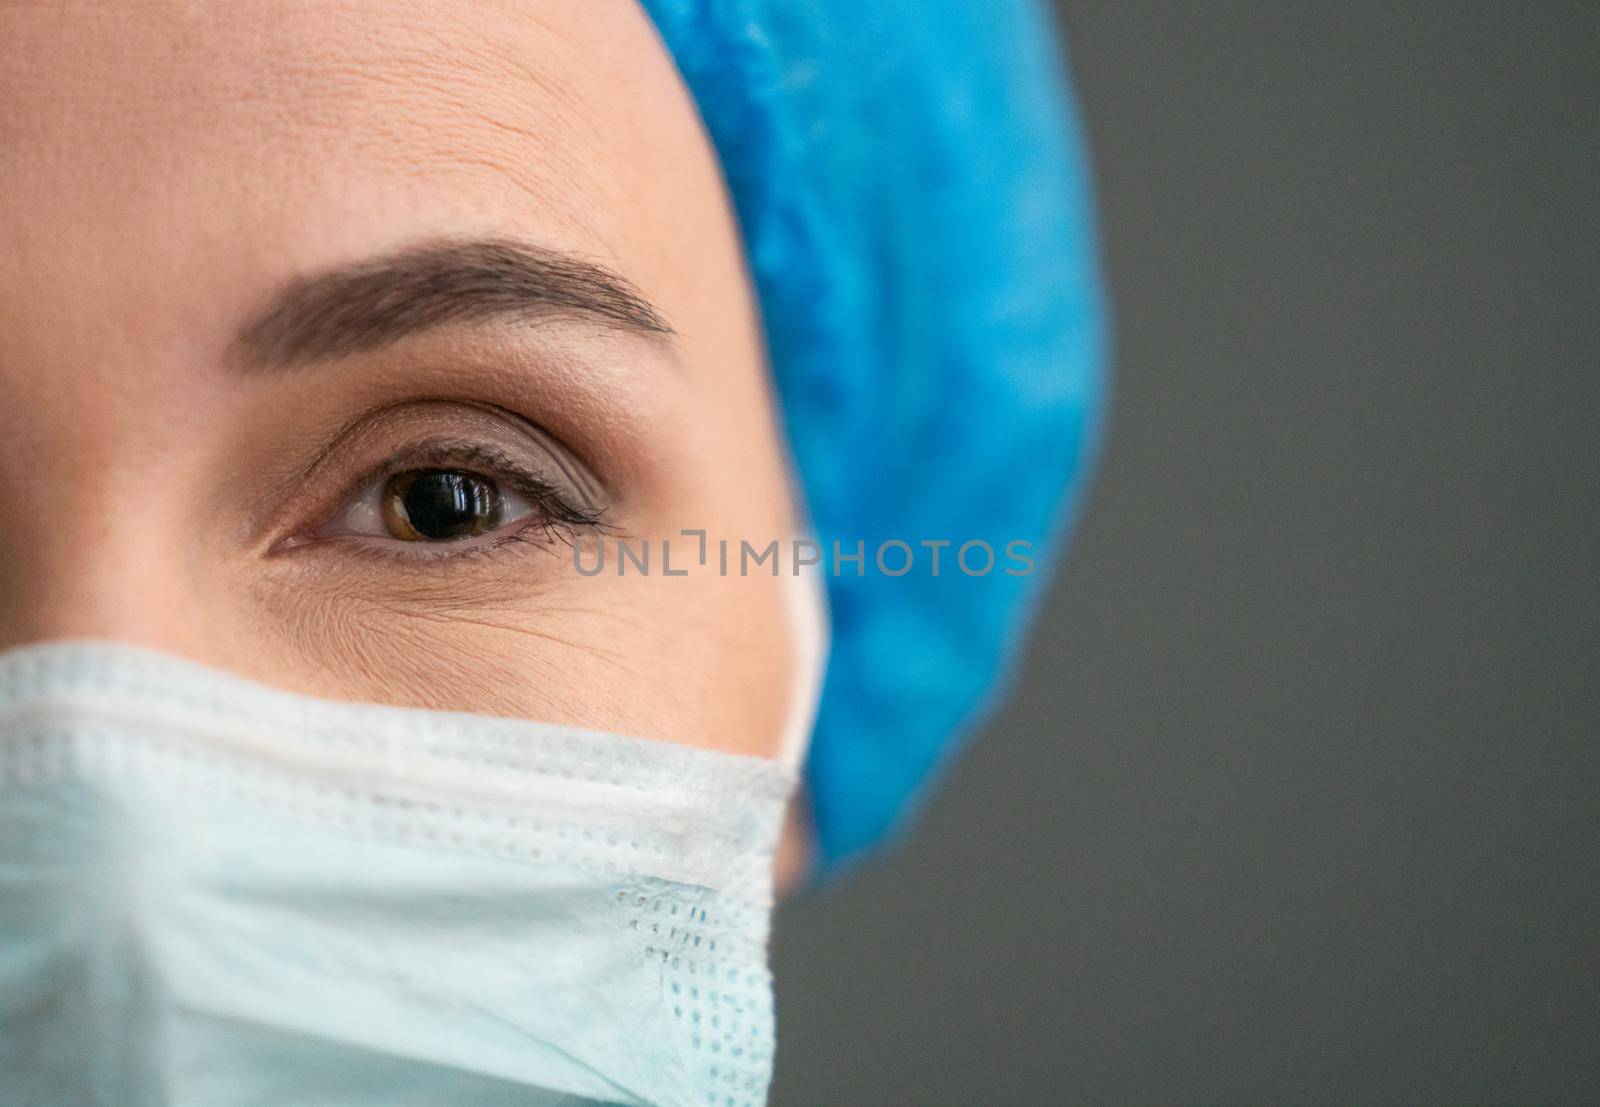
{"x": 468, "y": 488}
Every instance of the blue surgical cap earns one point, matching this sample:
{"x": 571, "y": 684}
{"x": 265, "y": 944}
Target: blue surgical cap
{"x": 910, "y": 181}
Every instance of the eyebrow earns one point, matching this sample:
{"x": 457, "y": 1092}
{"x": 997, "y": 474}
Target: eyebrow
{"x": 380, "y": 301}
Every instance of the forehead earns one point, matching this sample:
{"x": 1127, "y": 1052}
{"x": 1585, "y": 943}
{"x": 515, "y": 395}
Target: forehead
{"x": 260, "y": 134}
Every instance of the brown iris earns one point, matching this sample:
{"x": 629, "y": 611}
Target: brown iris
{"x": 440, "y": 505}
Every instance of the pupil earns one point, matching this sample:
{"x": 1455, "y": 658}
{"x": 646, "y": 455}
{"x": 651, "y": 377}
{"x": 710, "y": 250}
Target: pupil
{"x": 444, "y": 504}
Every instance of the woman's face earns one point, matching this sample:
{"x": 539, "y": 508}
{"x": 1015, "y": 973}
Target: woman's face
{"x": 326, "y": 327}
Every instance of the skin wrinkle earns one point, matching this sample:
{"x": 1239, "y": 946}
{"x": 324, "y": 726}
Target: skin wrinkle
{"x": 610, "y": 656}
{"x": 553, "y": 163}
{"x": 392, "y": 659}
{"x": 366, "y": 108}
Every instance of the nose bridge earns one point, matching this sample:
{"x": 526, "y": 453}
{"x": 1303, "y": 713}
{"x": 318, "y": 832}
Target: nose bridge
{"x": 114, "y": 597}
{"x": 91, "y": 543}
{"x": 105, "y": 408}
{"x": 105, "y": 413}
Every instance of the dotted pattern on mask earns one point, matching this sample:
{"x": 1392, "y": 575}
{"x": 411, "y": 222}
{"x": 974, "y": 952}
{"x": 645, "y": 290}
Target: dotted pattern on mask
{"x": 711, "y": 952}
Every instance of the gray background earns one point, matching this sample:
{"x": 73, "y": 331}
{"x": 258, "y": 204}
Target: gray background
{"x": 1299, "y": 798}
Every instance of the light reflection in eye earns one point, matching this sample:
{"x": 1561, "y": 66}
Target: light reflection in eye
{"x": 431, "y": 505}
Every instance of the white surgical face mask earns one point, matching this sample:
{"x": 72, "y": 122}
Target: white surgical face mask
{"x": 216, "y": 893}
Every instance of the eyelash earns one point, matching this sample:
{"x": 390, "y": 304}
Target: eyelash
{"x": 557, "y": 518}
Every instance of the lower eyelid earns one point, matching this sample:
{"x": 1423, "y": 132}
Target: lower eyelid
{"x": 398, "y": 550}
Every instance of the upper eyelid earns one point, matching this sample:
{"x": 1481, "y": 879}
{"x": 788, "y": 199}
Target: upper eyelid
{"x": 441, "y": 448}
{"x": 510, "y": 419}
{"x": 442, "y": 453}
{"x": 465, "y": 455}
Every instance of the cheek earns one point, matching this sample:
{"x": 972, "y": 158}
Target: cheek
{"x": 701, "y": 660}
